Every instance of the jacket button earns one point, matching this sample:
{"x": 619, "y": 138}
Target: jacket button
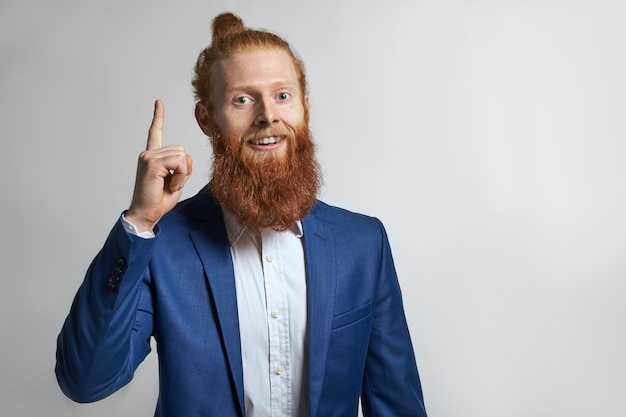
{"x": 116, "y": 275}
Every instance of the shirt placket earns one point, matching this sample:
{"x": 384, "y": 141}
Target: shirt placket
{"x": 278, "y": 327}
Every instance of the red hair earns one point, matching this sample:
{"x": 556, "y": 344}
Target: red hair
{"x": 230, "y": 36}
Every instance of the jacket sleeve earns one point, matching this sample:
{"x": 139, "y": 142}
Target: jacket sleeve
{"x": 106, "y": 334}
{"x": 391, "y": 384}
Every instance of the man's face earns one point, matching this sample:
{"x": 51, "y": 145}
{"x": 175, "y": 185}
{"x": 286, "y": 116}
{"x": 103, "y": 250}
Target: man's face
{"x": 257, "y": 101}
{"x": 264, "y": 168}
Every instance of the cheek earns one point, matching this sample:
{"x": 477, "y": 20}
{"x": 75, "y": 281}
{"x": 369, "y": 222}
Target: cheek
{"x": 233, "y": 124}
{"x": 294, "y": 116}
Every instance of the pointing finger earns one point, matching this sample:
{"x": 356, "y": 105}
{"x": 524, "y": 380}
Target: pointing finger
{"x": 155, "y": 134}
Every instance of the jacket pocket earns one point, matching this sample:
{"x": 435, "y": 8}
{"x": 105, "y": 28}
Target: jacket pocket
{"x": 352, "y": 316}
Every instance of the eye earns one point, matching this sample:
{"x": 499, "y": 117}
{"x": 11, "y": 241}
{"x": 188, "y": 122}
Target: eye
{"x": 242, "y": 100}
{"x": 282, "y": 96}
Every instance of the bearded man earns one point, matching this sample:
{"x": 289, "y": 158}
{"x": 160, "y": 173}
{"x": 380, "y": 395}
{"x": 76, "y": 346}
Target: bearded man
{"x": 263, "y": 301}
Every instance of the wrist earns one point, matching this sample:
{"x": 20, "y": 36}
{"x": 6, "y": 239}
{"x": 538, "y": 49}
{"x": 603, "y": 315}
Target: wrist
{"x": 138, "y": 223}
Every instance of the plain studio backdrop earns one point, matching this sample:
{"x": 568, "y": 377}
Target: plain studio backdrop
{"x": 488, "y": 136}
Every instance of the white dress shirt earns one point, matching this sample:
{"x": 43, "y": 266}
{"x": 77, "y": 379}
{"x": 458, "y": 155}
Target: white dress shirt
{"x": 270, "y": 282}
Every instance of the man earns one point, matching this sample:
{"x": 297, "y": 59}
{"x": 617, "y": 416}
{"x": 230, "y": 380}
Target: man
{"x": 262, "y": 300}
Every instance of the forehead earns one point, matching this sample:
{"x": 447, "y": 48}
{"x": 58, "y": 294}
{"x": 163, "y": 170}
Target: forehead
{"x": 254, "y": 69}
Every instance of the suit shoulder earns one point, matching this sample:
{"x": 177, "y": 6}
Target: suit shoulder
{"x": 191, "y": 212}
{"x": 346, "y": 220}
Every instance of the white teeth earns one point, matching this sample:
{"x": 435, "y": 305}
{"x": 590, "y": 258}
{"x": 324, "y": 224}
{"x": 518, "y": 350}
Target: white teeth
{"x": 266, "y": 141}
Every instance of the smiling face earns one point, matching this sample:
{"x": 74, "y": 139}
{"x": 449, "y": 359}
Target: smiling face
{"x": 256, "y": 100}
{"x": 264, "y": 169}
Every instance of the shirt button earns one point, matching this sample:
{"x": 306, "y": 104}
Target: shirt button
{"x": 269, "y": 258}
{"x": 275, "y": 314}
{"x": 279, "y": 370}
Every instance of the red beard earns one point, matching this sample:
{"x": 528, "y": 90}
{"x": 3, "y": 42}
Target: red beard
{"x": 266, "y": 190}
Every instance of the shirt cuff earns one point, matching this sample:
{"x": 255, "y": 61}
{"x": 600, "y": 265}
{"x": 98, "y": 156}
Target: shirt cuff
{"x": 132, "y": 229}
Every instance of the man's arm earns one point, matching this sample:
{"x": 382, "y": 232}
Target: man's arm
{"x": 391, "y": 385}
{"x": 106, "y": 334}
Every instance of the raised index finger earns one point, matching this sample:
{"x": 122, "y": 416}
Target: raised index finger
{"x": 155, "y": 134}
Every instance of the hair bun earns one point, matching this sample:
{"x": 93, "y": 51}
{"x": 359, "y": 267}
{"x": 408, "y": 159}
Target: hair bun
{"x": 226, "y": 23}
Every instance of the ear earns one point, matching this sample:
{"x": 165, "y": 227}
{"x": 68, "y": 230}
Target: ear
{"x": 203, "y": 119}
{"x": 307, "y": 105}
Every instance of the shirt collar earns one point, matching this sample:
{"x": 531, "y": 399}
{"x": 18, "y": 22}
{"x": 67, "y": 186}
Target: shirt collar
{"x": 235, "y": 230}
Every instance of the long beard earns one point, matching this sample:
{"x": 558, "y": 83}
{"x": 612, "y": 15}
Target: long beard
{"x": 267, "y": 190}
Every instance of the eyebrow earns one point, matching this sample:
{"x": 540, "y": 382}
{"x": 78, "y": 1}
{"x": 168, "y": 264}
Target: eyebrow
{"x": 273, "y": 84}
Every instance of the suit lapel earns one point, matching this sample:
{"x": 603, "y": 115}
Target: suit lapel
{"x": 211, "y": 243}
{"x": 320, "y": 260}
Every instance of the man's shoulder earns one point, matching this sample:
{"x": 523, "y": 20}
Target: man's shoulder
{"x": 349, "y": 230}
{"x": 341, "y": 218}
{"x": 198, "y": 208}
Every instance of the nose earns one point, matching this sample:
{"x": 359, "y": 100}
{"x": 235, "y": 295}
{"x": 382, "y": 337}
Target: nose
{"x": 267, "y": 113}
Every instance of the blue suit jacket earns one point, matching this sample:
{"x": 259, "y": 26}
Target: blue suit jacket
{"x": 180, "y": 289}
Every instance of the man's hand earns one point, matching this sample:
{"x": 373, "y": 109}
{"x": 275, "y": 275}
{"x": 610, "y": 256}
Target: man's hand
{"x": 161, "y": 175}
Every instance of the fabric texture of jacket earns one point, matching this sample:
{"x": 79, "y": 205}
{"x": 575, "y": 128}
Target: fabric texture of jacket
{"x": 179, "y": 288}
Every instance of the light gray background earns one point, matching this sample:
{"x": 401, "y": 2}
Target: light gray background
{"x": 487, "y": 135}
